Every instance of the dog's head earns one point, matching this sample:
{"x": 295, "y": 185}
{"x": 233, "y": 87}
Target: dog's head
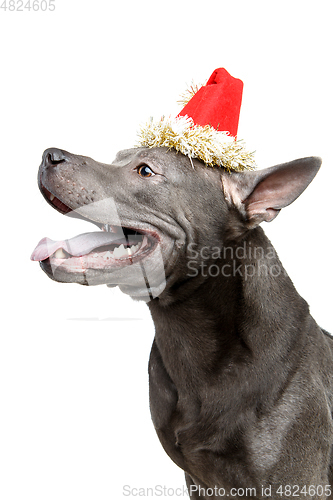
{"x": 150, "y": 206}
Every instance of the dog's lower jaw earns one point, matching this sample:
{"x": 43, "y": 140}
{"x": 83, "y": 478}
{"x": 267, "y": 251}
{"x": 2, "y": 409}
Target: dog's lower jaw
{"x": 219, "y": 377}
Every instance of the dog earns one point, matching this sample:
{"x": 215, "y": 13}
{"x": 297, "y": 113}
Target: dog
{"x": 240, "y": 374}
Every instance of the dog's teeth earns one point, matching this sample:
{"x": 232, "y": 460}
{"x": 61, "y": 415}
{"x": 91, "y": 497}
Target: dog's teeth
{"x": 60, "y": 254}
{"x": 52, "y": 197}
{"x": 120, "y": 252}
{"x": 132, "y": 249}
{"x": 116, "y": 252}
{"x": 107, "y": 255}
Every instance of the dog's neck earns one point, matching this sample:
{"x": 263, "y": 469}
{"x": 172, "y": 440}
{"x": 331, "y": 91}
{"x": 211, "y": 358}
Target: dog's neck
{"x": 229, "y": 319}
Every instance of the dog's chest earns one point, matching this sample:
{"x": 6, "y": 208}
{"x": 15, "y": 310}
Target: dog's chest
{"x": 191, "y": 434}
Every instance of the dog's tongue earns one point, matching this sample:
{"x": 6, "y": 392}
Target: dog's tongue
{"x": 77, "y": 246}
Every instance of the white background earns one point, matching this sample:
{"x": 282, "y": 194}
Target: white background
{"x": 74, "y": 419}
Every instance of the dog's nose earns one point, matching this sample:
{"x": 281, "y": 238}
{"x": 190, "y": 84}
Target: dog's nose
{"x": 53, "y": 156}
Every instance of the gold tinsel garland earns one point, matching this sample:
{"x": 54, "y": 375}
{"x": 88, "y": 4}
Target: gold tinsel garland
{"x": 213, "y": 147}
{"x": 187, "y": 95}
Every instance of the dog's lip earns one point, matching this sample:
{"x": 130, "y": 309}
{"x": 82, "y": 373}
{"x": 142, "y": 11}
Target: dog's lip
{"x": 64, "y": 209}
{"x": 102, "y": 260}
{"x": 53, "y": 200}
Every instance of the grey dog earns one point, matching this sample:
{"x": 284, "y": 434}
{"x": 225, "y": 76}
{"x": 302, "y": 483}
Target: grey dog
{"x": 241, "y": 383}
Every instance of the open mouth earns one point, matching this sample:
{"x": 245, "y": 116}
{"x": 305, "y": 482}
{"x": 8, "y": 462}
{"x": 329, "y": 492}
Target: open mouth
{"x": 111, "y": 247}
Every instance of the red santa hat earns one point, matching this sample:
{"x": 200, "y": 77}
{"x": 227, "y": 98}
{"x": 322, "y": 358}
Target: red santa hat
{"x": 206, "y": 128}
{"x": 217, "y": 103}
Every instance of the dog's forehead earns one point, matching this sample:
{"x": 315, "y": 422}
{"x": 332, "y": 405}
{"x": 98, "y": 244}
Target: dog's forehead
{"x": 177, "y": 167}
{"x": 125, "y": 156}
{"x": 161, "y": 156}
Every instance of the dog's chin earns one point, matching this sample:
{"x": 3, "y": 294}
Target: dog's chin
{"x": 140, "y": 275}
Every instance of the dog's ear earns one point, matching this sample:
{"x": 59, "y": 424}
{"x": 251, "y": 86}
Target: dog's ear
{"x": 260, "y": 195}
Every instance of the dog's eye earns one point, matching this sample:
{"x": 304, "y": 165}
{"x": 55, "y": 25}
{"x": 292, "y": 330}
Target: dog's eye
{"x": 145, "y": 171}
